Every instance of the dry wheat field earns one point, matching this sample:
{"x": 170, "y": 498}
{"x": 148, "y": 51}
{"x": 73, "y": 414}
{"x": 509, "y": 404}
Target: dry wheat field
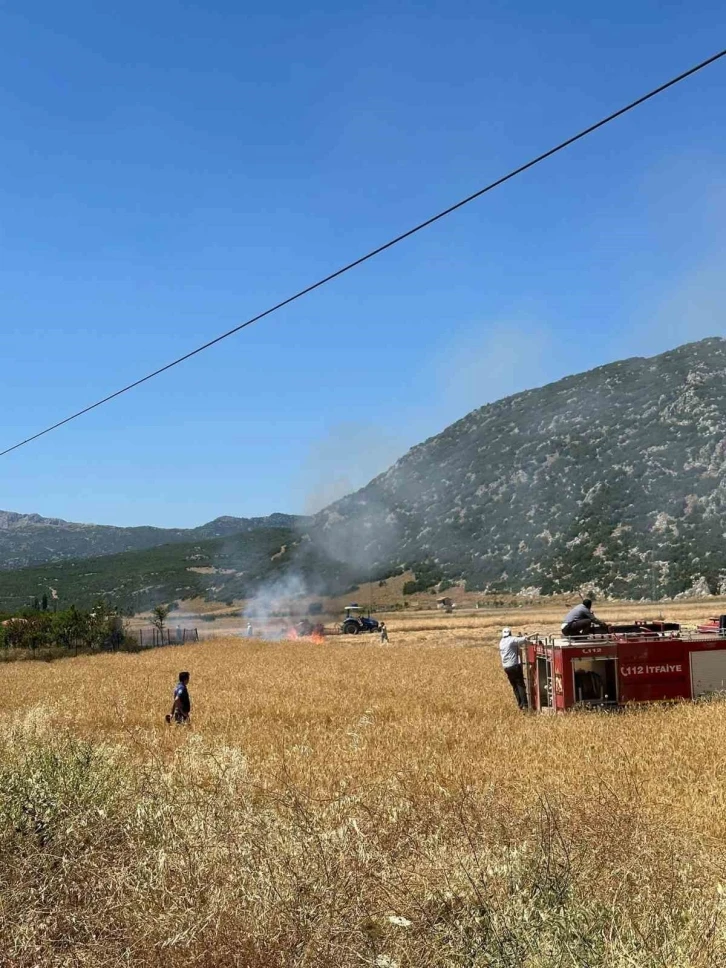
{"x": 350, "y": 804}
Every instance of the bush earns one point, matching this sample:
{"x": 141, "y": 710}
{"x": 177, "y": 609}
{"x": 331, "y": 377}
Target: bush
{"x": 427, "y": 574}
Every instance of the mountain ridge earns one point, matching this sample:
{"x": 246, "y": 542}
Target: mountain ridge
{"x": 613, "y": 479}
{"x": 31, "y": 539}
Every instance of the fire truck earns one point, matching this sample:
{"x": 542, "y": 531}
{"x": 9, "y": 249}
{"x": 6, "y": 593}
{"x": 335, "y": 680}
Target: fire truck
{"x": 635, "y": 663}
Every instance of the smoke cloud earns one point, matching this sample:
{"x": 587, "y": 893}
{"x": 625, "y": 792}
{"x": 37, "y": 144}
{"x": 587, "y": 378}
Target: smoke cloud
{"x": 274, "y": 603}
{"x": 343, "y": 460}
{"x": 349, "y": 536}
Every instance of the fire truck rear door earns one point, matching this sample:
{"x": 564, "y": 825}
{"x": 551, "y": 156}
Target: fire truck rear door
{"x": 708, "y": 672}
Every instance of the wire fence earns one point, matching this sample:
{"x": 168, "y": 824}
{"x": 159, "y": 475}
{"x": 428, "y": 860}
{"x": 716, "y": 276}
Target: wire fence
{"x": 150, "y": 638}
{"x": 118, "y": 641}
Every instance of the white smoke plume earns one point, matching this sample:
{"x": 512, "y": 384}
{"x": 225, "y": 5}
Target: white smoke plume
{"x": 343, "y": 460}
{"x": 277, "y": 605}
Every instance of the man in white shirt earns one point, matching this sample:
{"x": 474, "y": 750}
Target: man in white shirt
{"x": 512, "y": 664}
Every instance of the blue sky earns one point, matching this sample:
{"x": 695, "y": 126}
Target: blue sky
{"x": 169, "y": 169}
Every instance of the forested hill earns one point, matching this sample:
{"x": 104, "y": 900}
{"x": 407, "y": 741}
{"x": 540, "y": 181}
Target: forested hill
{"x": 615, "y": 477}
{"x": 221, "y": 569}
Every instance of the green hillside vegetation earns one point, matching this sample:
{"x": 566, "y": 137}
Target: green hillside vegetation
{"x": 219, "y": 569}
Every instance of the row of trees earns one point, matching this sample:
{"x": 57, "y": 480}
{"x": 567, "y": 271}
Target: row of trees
{"x": 100, "y": 628}
{"x": 72, "y": 628}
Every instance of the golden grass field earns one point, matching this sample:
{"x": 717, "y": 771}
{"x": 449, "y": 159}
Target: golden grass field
{"x": 351, "y": 804}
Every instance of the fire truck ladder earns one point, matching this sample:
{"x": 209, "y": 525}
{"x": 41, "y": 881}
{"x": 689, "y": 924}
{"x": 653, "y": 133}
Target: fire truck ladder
{"x": 540, "y": 680}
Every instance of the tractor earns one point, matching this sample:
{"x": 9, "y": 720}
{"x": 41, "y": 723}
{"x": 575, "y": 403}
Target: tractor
{"x": 355, "y": 621}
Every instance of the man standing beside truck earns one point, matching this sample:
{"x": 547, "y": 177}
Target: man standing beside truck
{"x": 509, "y": 646}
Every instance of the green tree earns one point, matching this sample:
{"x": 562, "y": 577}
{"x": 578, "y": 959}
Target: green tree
{"x": 44, "y": 602}
{"x": 70, "y": 626}
{"x": 159, "y": 614}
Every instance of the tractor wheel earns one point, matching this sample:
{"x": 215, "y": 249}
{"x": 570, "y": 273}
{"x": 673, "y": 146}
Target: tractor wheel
{"x": 350, "y": 628}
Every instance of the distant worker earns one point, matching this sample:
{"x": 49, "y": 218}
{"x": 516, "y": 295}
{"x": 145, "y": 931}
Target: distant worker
{"x": 250, "y": 631}
{"x": 384, "y": 632}
{"x": 512, "y": 664}
{"x": 182, "y": 706}
{"x": 581, "y": 620}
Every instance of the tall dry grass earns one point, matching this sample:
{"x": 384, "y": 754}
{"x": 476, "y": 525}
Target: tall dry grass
{"x": 349, "y": 804}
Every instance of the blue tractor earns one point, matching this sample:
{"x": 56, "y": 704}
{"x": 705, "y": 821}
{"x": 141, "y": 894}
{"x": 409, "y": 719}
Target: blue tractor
{"x": 356, "y": 622}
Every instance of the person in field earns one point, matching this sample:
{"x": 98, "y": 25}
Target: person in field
{"x": 182, "y": 706}
{"x": 581, "y": 620}
{"x": 384, "y": 632}
{"x": 512, "y": 664}
{"x": 250, "y": 630}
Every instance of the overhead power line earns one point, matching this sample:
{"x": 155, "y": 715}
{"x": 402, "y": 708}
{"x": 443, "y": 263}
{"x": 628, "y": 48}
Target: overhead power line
{"x": 374, "y": 252}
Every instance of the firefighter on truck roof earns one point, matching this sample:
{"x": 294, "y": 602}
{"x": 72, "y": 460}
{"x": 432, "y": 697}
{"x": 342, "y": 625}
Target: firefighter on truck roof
{"x": 581, "y": 620}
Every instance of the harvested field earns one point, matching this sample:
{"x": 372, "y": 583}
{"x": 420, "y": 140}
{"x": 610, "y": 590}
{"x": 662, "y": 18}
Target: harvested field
{"x": 351, "y": 804}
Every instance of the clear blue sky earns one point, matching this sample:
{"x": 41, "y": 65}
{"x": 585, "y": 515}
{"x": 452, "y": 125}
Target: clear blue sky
{"x": 170, "y": 168}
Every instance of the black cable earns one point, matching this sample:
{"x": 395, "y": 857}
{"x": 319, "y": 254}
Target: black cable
{"x": 375, "y": 252}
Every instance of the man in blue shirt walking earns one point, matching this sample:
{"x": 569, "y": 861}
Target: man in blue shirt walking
{"x": 182, "y": 707}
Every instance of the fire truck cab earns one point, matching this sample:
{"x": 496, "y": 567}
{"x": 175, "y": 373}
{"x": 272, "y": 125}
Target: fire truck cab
{"x": 640, "y": 662}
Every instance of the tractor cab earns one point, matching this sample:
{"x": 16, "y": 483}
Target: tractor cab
{"x": 355, "y": 621}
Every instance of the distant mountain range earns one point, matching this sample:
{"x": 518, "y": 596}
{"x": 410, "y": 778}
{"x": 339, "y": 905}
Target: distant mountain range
{"x": 614, "y": 478}
{"x": 29, "y": 539}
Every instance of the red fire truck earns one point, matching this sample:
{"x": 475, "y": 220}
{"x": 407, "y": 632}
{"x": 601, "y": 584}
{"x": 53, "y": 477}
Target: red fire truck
{"x": 640, "y": 662}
